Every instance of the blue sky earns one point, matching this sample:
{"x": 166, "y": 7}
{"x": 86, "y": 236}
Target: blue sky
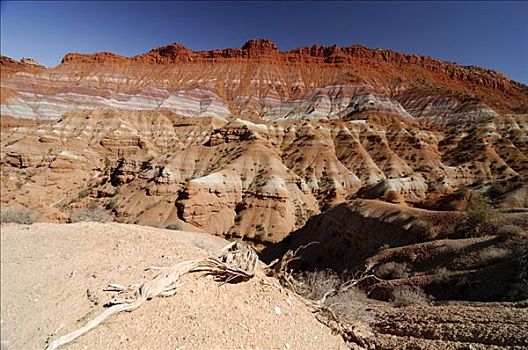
{"x": 488, "y": 34}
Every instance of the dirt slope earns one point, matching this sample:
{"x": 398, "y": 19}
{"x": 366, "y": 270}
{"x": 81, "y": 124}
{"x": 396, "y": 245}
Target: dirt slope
{"x": 53, "y": 278}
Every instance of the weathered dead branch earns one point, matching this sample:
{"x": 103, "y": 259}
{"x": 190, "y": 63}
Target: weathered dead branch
{"x": 237, "y": 262}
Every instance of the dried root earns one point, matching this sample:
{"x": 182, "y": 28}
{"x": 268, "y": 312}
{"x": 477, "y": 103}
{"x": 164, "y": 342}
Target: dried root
{"x": 236, "y": 263}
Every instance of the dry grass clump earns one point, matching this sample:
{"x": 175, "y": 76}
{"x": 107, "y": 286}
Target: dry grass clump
{"x": 351, "y": 305}
{"x": 314, "y": 285}
{"x": 20, "y": 216}
{"x": 90, "y": 214}
{"x": 347, "y": 302}
{"x": 406, "y": 296}
{"x": 492, "y": 254}
{"x": 174, "y": 226}
{"x": 392, "y": 270}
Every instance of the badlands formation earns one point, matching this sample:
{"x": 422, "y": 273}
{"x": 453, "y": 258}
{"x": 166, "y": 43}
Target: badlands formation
{"x": 252, "y": 142}
{"x": 374, "y": 154}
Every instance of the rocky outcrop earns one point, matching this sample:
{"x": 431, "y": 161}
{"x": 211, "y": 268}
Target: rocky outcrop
{"x": 258, "y": 80}
{"x": 31, "y": 62}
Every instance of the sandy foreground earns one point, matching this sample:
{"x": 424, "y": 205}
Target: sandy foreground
{"x": 53, "y": 276}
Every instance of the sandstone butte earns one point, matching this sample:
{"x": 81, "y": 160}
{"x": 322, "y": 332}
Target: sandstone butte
{"x": 252, "y": 142}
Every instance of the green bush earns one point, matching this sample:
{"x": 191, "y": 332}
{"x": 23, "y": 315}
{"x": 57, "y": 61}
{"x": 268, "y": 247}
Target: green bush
{"x": 20, "y": 216}
{"x": 480, "y": 218}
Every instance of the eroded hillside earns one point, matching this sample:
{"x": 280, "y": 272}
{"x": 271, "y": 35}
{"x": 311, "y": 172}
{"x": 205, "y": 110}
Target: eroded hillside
{"x": 257, "y": 180}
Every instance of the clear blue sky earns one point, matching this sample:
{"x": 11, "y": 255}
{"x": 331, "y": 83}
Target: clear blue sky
{"x": 488, "y": 34}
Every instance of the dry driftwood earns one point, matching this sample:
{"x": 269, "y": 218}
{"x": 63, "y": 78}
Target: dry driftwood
{"x": 237, "y": 262}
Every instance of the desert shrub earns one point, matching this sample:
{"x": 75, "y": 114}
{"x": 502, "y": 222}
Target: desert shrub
{"x": 497, "y": 190}
{"x": 174, "y": 226}
{"x": 90, "y": 214}
{"x": 19, "y": 216}
{"x": 351, "y": 305}
{"x": 315, "y": 284}
{"x": 480, "y": 218}
{"x": 113, "y": 205}
{"x": 492, "y": 254}
{"x": 260, "y": 234}
{"x": 84, "y": 193}
{"x": 392, "y": 270}
{"x": 425, "y": 230}
{"x": 407, "y": 295}
{"x": 442, "y": 274}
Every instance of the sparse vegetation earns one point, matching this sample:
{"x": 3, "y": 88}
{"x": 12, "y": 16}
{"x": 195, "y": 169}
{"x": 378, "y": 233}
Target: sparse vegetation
{"x": 112, "y": 205}
{"x": 407, "y": 296}
{"x": 84, "y": 193}
{"x": 299, "y": 216}
{"x": 462, "y": 192}
{"x": 174, "y": 226}
{"x": 497, "y": 190}
{"x": 480, "y": 220}
{"x": 492, "y": 254}
{"x": 20, "y": 216}
{"x": 392, "y": 270}
{"x": 90, "y": 214}
{"x": 442, "y": 274}
{"x": 424, "y": 229}
{"x": 349, "y": 303}
{"x": 260, "y": 234}
{"x": 314, "y": 284}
